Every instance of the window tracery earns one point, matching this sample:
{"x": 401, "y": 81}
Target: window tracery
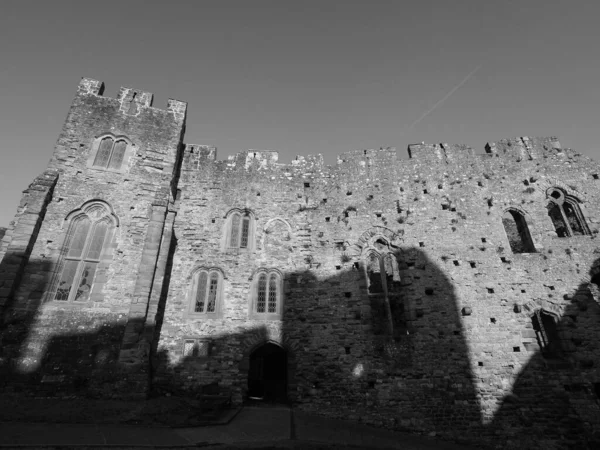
{"x": 565, "y": 214}
{"x": 267, "y": 299}
{"x": 239, "y": 230}
{"x": 110, "y": 153}
{"x": 86, "y": 243}
{"x": 206, "y": 293}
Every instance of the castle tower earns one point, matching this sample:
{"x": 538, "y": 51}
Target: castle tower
{"x": 80, "y": 257}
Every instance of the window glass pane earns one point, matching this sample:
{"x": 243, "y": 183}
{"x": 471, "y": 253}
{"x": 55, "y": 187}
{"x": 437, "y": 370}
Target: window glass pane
{"x": 97, "y": 241}
{"x": 235, "y": 230}
{"x": 572, "y": 218}
{"x": 82, "y": 227}
{"x": 117, "y": 155}
{"x": 212, "y": 292}
{"x": 85, "y": 283}
{"x": 262, "y": 293}
{"x": 557, "y": 220}
{"x": 66, "y": 280}
{"x": 201, "y": 292}
{"x": 188, "y": 347}
{"x": 245, "y": 228}
{"x": 103, "y": 154}
{"x": 273, "y": 293}
{"x": 202, "y": 348}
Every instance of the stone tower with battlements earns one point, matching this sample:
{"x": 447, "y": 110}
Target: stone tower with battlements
{"x": 451, "y": 292}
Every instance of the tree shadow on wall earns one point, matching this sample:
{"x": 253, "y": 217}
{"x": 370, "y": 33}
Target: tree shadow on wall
{"x": 555, "y": 401}
{"x": 16, "y": 321}
{"x": 36, "y": 358}
{"x": 343, "y": 361}
{"x": 351, "y": 365}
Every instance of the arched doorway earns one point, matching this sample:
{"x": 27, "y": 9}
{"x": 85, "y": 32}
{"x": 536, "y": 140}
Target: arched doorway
{"x": 267, "y": 374}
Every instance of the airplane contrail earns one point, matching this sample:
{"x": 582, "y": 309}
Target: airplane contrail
{"x": 452, "y": 91}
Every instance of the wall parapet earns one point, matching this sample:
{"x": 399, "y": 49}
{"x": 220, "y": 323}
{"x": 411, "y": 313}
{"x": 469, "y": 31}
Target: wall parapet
{"x": 523, "y": 148}
{"x": 131, "y": 100}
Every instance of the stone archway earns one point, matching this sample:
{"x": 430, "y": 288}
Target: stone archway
{"x": 268, "y": 373}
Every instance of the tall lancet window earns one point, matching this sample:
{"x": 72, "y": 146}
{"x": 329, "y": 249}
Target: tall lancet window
{"x": 85, "y": 246}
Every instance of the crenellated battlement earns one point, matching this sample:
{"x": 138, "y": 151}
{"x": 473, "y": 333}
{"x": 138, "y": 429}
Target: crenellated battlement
{"x": 131, "y": 101}
{"x": 514, "y": 149}
{"x": 523, "y": 148}
{"x": 451, "y": 278}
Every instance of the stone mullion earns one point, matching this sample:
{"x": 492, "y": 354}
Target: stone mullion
{"x": 24, "y": 234}
{"x": 565, "y": 219}
{"x": 130, "y": 353}
{"x": 388, "y": 309}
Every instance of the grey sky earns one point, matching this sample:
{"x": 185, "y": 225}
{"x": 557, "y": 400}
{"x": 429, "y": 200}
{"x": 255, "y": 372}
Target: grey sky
{"x": 304, "y": 77}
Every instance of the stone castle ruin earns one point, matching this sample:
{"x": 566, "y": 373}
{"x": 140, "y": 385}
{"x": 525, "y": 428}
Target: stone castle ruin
{"x": 448, "y": 293}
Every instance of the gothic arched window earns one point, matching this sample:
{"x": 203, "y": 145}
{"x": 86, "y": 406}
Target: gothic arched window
{"x": 517, "y": 232}
{"x": 207, "y": 288}
{"x": 267, "y": 299}
{"x": 239, "y": 230}
{"x": 565, "y": 214}
{"x": 86, "y": 243}
{"x": 110, "y": 153}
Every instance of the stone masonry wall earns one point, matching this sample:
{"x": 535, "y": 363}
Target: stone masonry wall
{"x": 404, "y": 304}
{"x": 70, "y": 346}
{"x": 463, "y": 352}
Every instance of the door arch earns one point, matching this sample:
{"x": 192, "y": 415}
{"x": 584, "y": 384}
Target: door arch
{"x": 268, "y": 373}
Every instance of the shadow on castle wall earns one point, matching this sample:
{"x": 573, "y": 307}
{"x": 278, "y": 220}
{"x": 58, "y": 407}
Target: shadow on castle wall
{"x": 555, "y": 399}
{"x": 419, "y": 380}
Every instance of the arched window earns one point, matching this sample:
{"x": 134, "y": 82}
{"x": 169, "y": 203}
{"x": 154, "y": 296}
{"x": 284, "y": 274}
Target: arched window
{"x": 86, "y": 244}
{"x": 517, "y": 232}
{"x": 384, "y": 289}
{"x": 207, "y": 287}
{"x": 565, "y": 214}
{"x": 382, "y": 272}
{"x": 110, "y": 153}
{"x": 546, "y": 331}
{"x": 239, "y": 230}
{"x": 266, "y": 300}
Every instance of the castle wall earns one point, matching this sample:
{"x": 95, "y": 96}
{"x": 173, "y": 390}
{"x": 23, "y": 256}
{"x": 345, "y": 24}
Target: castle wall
{"x": 440, "y": 213}
{"x": 403, "y": 300}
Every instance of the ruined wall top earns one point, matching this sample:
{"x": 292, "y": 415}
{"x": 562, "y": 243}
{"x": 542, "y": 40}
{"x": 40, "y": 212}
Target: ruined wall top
{"x": 514, "y": 150}
{"x": 194, "y": 155}
{"x": 127, "y": 96}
